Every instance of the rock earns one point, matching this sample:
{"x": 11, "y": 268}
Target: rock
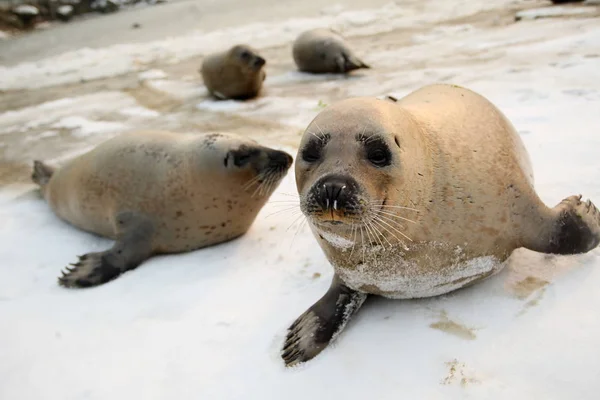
{"x": 65, "y": 12}
{"x": 27, "y": 14}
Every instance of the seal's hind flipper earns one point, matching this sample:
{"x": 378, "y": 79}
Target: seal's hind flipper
{"x": 133, "y": 246}
{"x": 348, "y": 62}
{"x": 321, "y": 323}
{"x": 577, "y": 228}
{"x": 41, "y": 173}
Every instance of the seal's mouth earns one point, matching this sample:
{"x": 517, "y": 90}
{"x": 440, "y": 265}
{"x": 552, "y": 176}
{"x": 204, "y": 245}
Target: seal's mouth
{"x": 345, "y": 215}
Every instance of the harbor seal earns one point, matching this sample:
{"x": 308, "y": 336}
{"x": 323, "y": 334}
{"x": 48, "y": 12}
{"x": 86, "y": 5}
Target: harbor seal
{"x": 234, "y": 74}
{"x": 417, "y": 198}
{"x": 323, "y": 50}
{"x": 159, "y": 192}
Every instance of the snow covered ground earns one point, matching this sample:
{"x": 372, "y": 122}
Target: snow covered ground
{"x": 210, "y": 324}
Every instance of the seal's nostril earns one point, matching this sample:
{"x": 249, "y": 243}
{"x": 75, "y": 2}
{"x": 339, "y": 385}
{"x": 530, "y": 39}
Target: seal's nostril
{"x": 333, "y": 193}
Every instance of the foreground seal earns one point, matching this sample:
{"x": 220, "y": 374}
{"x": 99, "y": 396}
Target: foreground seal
{"x": 235, "y": 74}
{"x": 322, "y": 50}
{"x": 417, "y": 198}
{"x": 159, "y": 192}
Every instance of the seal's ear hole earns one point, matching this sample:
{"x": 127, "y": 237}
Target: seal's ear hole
{"x": 226, "y": 160}
{"x": 397, "y": 141}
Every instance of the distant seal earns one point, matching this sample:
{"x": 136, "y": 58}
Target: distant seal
{"x": 159, "y": 192}
{"x": 418, "y": 198}
{"x": 323, "y": 50}
{"x": 234, "y": 74}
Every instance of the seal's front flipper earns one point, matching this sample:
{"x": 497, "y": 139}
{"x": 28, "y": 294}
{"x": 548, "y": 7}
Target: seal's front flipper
{"x": 321, "y": 323}
{"x": 133, "y": 246}
{"x": 41, "y": 173}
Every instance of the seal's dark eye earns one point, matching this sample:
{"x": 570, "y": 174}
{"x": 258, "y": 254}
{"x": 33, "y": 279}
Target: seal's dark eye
{"x": 245, "y": 55}
{"x": 379, "y": 157}
{"x": 311, "y": 153}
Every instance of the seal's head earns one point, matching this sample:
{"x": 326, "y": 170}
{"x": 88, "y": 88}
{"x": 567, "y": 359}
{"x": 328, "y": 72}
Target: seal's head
{"x": 246, "y": 57}
{"x": 245, "y": 164}
{"x": 350, "y": 167}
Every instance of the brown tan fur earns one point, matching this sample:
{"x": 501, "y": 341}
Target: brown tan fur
{"x": 455, "y": 200}
{"x": 234, "y": 74}
{"x": 324, "y": 51}
{"x": 184, "y": 187}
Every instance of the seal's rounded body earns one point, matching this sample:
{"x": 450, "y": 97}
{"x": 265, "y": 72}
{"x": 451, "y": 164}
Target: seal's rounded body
{"x": 173, "y": 192}
{"x": 465, "y": 177}
{"x": 324, "y": 51}
{"x": 237, "y": 73}
{"x": 419, "y": 197}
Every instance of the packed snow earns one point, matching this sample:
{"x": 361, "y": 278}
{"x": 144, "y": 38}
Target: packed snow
{"x": 119, "y": 59}
{"x": 210, "y": 324}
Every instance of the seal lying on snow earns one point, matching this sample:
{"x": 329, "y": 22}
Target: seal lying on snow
{"x": 159, "y": 192}
{"x": 418, "y": 198}
{"x": 322, "y": 50}
{"x": 234, "y": 74}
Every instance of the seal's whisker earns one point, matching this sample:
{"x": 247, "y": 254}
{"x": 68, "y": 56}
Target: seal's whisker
{"x": 381, "y": 235}
{"x": 320, "y": 130}
{"x": 354, "y": 229}
{"x": 362, "y": 239}
{"x": 386, "y": 229}
{"x": 252, "y": 181}
{"x": 374, "y": 232}
{"x": 392, "y": 227}
{"x": 391, "y": 220}
{"x": 294, "y": 222}
{"x": 315, "y": 135}
{"x": 379, "y": 203}
{"x": 290, "y": 209}
{"x": 370, "y": 239}
{"x": 301, "y": 226}
{"x": 376, "y": 223}
{"x": 396, "y": 216}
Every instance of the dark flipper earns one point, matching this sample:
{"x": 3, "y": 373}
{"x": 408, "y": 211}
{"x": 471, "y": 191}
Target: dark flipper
{"x": 41, "y": 173}
{"x": 321, "y": 323}
{"x": 133, "y": 246}
{"x": 348, "y": 62}
{"x": 577, "y": 227}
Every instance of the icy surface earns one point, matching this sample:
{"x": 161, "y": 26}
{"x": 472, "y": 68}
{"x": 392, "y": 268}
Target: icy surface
{"x": 210, "y": 324}
{"x": 122, "y": 58}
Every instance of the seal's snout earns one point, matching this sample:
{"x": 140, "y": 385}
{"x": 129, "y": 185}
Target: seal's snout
{"x": 259, "y": 61}
{"x": 335, "y": 194}
{"x": 280, "y": 159}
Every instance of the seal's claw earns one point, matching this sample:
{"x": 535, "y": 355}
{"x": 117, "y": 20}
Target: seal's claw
{"x": 92, "y": 269}
{"x": 320, "y": 324}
